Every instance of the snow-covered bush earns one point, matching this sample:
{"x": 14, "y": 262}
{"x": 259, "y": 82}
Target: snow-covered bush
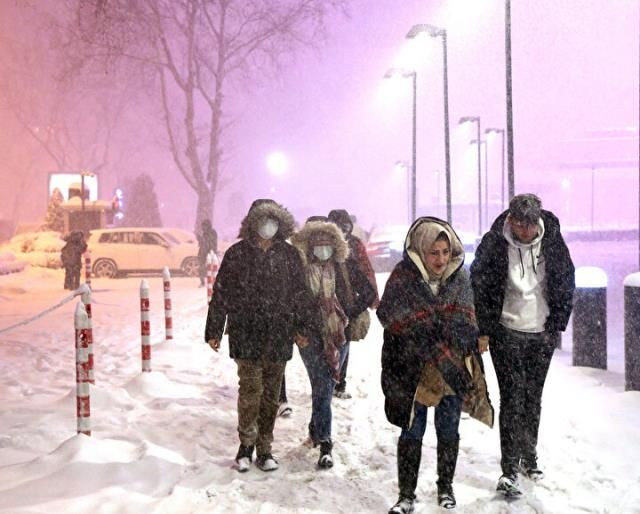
{"x": 36, "y": 248}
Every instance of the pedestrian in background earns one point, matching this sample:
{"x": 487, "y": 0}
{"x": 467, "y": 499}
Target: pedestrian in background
{"x": 523, "y": 284}
{"x": 261, "y": 295}
{"x": 207, "y": 243}
{"x": 71, "y": 257}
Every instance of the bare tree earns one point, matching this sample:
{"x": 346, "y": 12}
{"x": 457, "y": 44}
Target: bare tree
{"x": 199, "y": 52}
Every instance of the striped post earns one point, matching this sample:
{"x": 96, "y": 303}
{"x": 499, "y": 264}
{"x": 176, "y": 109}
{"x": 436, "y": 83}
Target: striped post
{"x": 215, "y": 264}
{"x": 83, "y": 389}
{"x": 209, "y": 278}
{"x": 86, "y": 301}
{"x": 145, "y": 326}
{"x": 87, "y": 268}
{"x": 168, "y": 320}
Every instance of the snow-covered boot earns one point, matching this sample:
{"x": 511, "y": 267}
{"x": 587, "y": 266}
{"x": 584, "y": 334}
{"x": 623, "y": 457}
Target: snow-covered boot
{"x": 447, "y": 458}
{"x": 409, "y": 455}
{"x": 403, "y": 506}
{"x": 529, "y": 468}
{"x": 508, "y": 486}
{"x": 326, "y": 459}
{"x": 243, "y": 458}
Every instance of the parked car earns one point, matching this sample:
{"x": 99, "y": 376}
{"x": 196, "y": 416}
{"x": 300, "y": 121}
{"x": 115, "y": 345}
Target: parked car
{"x": 118, "y": 251}
{"x": 385, "y": 246}
{"x": 183, "y": 236}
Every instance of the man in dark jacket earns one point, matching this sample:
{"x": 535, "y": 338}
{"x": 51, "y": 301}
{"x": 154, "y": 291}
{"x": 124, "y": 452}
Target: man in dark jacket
{"x": 523, "y": 283}
{"x": 358, "y": 257}
{"x": 260, "y": 293}
{"x": 71, "y": 257}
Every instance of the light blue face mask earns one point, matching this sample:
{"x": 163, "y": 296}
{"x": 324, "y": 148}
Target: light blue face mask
{"x": 268, "y": 228}
{"x": 323, "y": 252}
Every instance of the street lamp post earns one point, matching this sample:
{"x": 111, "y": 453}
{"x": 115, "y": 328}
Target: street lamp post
{"x": 501, "y": 132}
{"x": 509, "y": 95}
{"x": 486, "y": 178}
{"x": 476, "y": 120}
{"x": 404, "y": 73}
{"x": 442, "y": 33}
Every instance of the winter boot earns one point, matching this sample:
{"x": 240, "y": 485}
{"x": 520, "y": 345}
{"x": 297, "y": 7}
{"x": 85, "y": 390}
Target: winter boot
{"x": 243, "y": 458}
{"x": 326, "y": 459}
{"x": 508, "y": 486}
{"x": 266, "y": 462}
{"x": 529, "y": 468}
{"x": 409, "y": 455}
{"x": 447, "y": 458}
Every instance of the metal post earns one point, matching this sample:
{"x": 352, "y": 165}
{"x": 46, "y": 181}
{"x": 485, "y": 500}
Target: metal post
{"x": 413, "y": 168}
{"x": 486, "y": 183}
{"x": 632, "y": 332}
{"x": 507, "y": 48}
{"x": 447, "y": 156}
{"x": 502, "y": 167}
{"x": 82, "y": 190}
{"x": 479, "y": 181}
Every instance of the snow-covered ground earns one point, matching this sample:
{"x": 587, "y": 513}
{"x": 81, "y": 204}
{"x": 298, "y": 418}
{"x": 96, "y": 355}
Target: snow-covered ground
{"x": 165, "y": 441}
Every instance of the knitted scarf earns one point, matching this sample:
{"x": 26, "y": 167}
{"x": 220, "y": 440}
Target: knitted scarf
{"x": 322, "y": 282}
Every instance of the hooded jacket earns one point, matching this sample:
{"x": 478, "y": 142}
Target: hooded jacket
{"x": 489, "y": 275}
{"x": 363, "y": 292}
{"x": 261, "y": 295}
{"x": 428, "y": 336}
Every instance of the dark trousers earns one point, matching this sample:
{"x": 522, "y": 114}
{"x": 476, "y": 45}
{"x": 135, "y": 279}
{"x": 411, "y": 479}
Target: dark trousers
{"x": 446, "y": 420}
{"x": 521, "y": 361}
{"x": 72, "y": 277}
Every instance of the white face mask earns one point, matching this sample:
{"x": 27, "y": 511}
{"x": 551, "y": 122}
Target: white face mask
{"x": 323, "y": 252}
{"x": 268, "y": 229}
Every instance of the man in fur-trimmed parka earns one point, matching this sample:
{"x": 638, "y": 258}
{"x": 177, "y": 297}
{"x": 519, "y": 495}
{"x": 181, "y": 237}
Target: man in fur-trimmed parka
{"x": 523, "y": 283}
{"x": 260, "y": 293}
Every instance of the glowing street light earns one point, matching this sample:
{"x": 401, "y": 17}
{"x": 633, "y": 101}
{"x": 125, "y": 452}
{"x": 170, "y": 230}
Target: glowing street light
{"x": 404, "y": 73}
{"x": 441, "y": 33}
{"x": 501, "y": 132}
{"x": 476, "y": 120}
{"x": 277, "y": 163}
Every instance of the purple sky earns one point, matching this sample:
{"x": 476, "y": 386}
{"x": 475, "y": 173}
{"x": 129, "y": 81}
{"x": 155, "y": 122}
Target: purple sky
{"x": 575, "y": 76}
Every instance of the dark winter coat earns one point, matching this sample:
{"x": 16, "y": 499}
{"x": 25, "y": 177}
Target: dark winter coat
{"x": 363, "y": 293}
{"x": 71, "y": 253}
{"x": 423, "y": 331}
{"x": 261, "y": 295}
{"x": 490, "y": 268}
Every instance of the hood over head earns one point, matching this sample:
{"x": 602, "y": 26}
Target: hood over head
{"x": 267, "y": 208}
{"x": 340, "y": 217}
{"x": 320, "y": 232}
{"x": 423, "y": 233}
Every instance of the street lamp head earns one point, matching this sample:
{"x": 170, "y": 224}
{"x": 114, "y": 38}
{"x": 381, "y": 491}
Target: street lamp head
{"x": 399, "y": 72}
{"x": 467, "y": 119}
{"x": 494, "y": 130}
{"x": 420, "y": 28}
{"x": 475, "y": 142}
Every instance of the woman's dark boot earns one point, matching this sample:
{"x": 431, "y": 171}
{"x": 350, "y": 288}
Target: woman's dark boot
{"x": 447, "y": 458}
{"x": 326, "y": 459}
{"x": 409, "y": 455}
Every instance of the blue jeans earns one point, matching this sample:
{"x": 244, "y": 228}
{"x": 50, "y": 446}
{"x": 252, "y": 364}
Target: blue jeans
{"x": 447, "y": 420}
{"x": 322, "y": 385}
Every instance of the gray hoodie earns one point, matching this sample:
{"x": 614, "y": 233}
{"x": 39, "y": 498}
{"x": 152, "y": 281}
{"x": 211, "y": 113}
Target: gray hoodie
{"x": 525, "y": 305}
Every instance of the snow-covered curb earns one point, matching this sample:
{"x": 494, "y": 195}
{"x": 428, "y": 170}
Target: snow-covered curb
{"x": 9, "y": 264}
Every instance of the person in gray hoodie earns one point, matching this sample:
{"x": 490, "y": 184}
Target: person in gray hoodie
{"x": 523, "y": 284}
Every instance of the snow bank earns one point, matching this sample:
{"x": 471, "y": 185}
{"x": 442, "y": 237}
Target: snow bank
{"x": 36, "y": 248}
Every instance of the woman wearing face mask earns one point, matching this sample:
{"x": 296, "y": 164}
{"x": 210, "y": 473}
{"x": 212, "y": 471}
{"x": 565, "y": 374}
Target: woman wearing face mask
{"x": 341, "y": 292}
{"x": 430, "y": 355}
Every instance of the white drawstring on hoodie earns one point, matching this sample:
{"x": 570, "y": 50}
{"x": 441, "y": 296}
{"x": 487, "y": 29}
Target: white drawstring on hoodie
{"x": 525, "y": 305}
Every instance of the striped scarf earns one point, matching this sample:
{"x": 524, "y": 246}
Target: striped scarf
{"x": 322, "y": 282}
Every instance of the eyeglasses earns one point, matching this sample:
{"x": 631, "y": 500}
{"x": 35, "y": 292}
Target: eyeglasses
{"x": 523, "y": 225}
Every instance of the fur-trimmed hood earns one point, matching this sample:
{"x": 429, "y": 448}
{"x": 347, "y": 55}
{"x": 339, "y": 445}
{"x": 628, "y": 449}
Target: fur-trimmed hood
{"x": 267, "y": 208}
{"x": 302, "y": 240}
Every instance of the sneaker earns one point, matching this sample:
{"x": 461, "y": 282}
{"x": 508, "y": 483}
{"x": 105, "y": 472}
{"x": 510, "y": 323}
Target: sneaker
{"x": 508, "y": 486}
{"x": 403, "y": 506}
{"x": 243, "y": 458}
{"x": 343, "y": 395}
{"x": 266, "y": 462}
{"x": 531, "y": 470}
{"x": 446, "y": 499}
{"x": 284, "y": 411}
{"x": 326, "y": 459}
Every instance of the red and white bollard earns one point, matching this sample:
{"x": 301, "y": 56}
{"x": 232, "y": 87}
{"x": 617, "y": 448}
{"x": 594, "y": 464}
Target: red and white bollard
{"x": 215, "y": 264}
{"x": 145, "y": 326}
{"x": 209, "y": 278}
{"x": 168, "y": 320}
{"x": 83, "y": 389}
{"x": 86, "y": 301}
{"x": 87, "y": 267}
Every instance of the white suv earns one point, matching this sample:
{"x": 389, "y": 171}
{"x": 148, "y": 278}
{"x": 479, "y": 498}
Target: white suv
{"x": 118, "y": 251}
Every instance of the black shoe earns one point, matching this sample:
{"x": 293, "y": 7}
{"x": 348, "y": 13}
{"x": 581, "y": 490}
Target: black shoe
{"x": 530, "y": 469}
{"x": 326, "y": 459}
{"x": 508, "y": 486}
{"x": 404, "y": 505}
{"x": 446, "y": 499}
{"x": 266, "y": 462}
{"x": 243, "y": 458}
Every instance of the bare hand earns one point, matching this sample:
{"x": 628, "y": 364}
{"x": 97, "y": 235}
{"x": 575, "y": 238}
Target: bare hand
{"x": 215, "y": 344}
{"x": 483, "y": 344}
{"x": 301, "y": 341}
